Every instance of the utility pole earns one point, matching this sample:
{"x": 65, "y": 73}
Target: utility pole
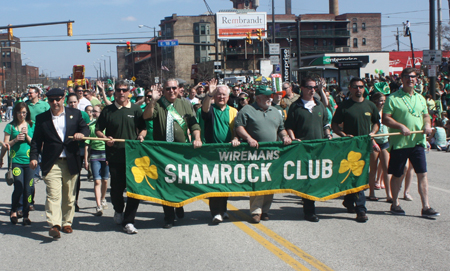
{"x": 439, "y": 27}
{"x": 273, "y": 29}
{"x": 397, "y": 38}
{"x": 433, "y": 44}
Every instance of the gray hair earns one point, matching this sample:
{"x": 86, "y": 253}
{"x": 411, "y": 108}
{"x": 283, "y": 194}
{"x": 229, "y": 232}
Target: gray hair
{"x": 172, "y": 79}
{"x": 226, "y": 87}
{"x": 121, "y": 83}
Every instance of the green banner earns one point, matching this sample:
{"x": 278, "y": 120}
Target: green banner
{"x": 176, "y": 174}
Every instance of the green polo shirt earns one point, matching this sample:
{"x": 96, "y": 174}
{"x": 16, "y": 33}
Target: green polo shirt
{"x": 37, "y": 108}
{"x": 307, "y": 125}
{"x": 20, "y": 152}
{"x": 358, "y": 117}
{"x": 263, "y": 126}
{"x": 222, "y": 132}
{"x": 408, "y": 110}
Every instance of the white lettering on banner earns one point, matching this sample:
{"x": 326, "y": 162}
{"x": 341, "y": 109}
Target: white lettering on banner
{"x": 249, "y": 155}
{"x": 195, "y": 174}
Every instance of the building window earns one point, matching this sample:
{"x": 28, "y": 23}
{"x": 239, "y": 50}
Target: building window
{"x": 203, "y": 47}
{"x": 8, "y": 54}
{"x": 364, "y": 41}
{"x": 207, "y": 30}
{"x": 330, "y": 42}
{"x": 355, "y": 42}
{"x": 355, "y": 27}
{"x": 202, "y": 30}
{"x": 316, "y": 42}
{"x": 315, "y": 26}
{"x": 363, "y": 26}
{"x": 196, "y": 30}
{"x": 324, "y": 42}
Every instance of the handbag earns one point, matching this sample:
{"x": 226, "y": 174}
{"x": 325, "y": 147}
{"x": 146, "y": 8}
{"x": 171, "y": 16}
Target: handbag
{"x": 9, "y": 175}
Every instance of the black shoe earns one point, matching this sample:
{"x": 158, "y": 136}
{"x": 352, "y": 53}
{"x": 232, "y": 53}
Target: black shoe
{"x": 168, "y": 225}
{"x": 26, "y": 222}
{"x": 19, "y": 214}
{"x": 13, "y": 219}
{"x": 77, "y": 208}
{"x": 312, "y": 218}
{"x": 179, "y": 212}
{"x": 350, "y": 208}
{"x": 265, "y": 216}
{"x": 430, "y": 213}
{"x": 361, "y": 217}
{"x": 31, "y": 207}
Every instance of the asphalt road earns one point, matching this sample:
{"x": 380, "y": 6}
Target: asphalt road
{"x": 286, "y": 242}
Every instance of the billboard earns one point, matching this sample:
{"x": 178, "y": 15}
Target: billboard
{"x": 232, "y": 25}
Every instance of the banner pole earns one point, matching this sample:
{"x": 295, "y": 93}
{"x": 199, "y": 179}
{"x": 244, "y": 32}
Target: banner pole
{"x": 100, "y": 139}
{"x": 393, "y": 134}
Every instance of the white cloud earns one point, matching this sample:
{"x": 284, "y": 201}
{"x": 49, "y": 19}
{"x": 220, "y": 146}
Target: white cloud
{"x": 129, "y": 19}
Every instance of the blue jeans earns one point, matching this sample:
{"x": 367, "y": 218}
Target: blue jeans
{"x": 100, "y": 170}
{"x": 9, "y": 111}
{"x": 23, "y": 181}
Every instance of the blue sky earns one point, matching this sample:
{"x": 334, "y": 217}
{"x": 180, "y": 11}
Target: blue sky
{"x": 119, "y": 19}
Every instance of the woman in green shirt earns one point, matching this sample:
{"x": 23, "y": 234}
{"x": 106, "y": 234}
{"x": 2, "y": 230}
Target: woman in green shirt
{"x": 18, "y": 135}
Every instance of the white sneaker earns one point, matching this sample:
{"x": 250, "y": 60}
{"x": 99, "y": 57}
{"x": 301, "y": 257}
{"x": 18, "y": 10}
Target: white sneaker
{"x": 217, "y": 219}
{"x": 225, "y": 215}
{"x": 104, "y": 204}
{"x": 99, "y": 211}
{"x": 130, "y": 229}
{"x": 118, "y": 218}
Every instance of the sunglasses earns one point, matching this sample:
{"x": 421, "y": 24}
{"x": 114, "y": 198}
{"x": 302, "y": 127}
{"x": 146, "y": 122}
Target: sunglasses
{"x": 410, "y": 76}
{"x": 356, "y": 86}
{"x": 85, "y": 95}
{"x": 243, "y": 99}
{"x": 95, "y": 111}
{"x": 122, "y": 90}
{"x": 50, "y": 99}
{"x": 169, "y": 88}
{"x": 312, "y": 87}
{"x": 149, "y": 96}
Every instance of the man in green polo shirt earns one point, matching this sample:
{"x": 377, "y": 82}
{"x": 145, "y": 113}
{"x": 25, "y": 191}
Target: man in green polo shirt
{"x": 307, "y": 119}
{"x": 219, "y": 128}
{"x": 35, "y": 105}
{"x": 406, "y": 111}
{"x": 260, "y": 122}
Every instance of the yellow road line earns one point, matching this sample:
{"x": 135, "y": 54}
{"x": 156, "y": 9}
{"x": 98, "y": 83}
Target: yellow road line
{"x": 266, "y": 243}
{"x": 285, "y": 243}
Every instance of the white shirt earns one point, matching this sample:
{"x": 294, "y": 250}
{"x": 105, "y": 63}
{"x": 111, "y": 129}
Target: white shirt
{"x": 60, "y": 125}
{"x": 195, "y": 100}
{"x": 309, "y": 105}
{"x": 82, "y": 103}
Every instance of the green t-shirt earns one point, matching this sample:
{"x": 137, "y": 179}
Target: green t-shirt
{"x": 222, "y": 132}
{"x": 111, "y": 99}
{"x": 358, "y": 117}
{"x": 94, "y": 101}
{"x": 37, "y": 108}
{"x": 408, "y": 110}
{"x": 123, "y": 123}
{"x": 263, "y": 126}
{"x": 96, "y": 145}
{"x": 149, "y": 124}
{"x": 307, "y": 125}
{"x": 201, "y": 122}
{"x": 20, "y": 152}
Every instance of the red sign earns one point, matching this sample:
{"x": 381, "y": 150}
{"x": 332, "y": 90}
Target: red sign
{"x": 401, "y": 60}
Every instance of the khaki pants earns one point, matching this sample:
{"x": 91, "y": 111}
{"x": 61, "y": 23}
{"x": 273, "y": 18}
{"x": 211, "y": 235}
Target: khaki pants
{"x": 59, "y": 204}
{"x": 260, "y": 204}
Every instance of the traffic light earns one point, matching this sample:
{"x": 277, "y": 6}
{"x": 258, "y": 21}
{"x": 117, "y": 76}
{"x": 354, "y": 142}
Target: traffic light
{"x": 69, "y": 29}
{"x": 10, "y": 33}
{"x": 259, "y": 34}
{"x": 128, "y": 46}
{"x": 249, "y": 38}
{"x": 88, "y": 45}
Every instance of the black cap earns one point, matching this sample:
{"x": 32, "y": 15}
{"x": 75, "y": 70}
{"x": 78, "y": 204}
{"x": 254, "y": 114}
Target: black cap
{"x": 55, "y": 92}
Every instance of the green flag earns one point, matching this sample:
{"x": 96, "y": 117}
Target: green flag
{"x": 176, "y": 174}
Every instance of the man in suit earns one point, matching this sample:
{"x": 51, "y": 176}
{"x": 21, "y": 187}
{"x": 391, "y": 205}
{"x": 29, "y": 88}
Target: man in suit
{"x": 60, "y": 163}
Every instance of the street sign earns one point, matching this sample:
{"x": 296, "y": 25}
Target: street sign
{"x": 274, "y": 60}
{"x": 167, "y": 43}
{"x": 133, "y": 79}
{"x": 156, "y": 80}
{"x": 432, "y": 71}
{"x": 432, "y": 57}
{"x": 277, "y": 68}
{"x": 274, "y": 49}
{"x": 217, "y": 66}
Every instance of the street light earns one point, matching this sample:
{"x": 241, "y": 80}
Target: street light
{"x": 110, "y": 74}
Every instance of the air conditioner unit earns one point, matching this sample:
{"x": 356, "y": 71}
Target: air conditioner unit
{"x": 345, "y": 49}
{"x": 339, "y": 50}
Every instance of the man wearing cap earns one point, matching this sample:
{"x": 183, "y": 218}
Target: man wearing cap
{"x": 307, "y": 120}
{"x": 60, "y": 164}
{"x": 82, "y": 101}
{"x": 260, "y": 122}
{"x": 121, "y": 120}
{"x": 172, "y": 119}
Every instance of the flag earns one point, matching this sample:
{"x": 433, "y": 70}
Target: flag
{"x": 164, "y": 68}
{"x": 174, "y": 174}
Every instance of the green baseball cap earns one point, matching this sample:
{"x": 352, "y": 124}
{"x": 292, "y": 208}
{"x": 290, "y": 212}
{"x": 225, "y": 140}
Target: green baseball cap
{"x": 263, "y": 90}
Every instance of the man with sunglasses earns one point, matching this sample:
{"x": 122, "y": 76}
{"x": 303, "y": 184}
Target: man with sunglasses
{"x": 234, "y": 97}
{"x": 121, "y": 120}
{"x": 290, "y": 96}
{"x": 307, "y": 120}
{"x": 172, "y": 118}
{"x": 406, "y": 111}
{"x": 359, "y": 117}
{"x": 82, "y": 101}
{"x": 60, "y": 163}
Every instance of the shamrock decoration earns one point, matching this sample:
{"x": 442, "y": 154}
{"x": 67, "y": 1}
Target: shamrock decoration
{"x": 142, "y": 170}
{"x": 352, "y": 164}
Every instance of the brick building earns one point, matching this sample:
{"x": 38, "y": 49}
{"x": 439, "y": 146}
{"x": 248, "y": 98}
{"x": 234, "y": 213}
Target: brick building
{"x": 10, "y": 59}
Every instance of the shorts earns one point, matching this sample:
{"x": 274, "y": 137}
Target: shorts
{"x": 100, "y": 170}
{"x": 383, "y": 146}
{"x": 399, "y": 157}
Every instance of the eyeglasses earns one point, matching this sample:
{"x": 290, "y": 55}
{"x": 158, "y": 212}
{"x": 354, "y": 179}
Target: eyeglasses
{"x": 243, "y": 99}
{"x": 85, "y": 95}
{"x": 312, "y": 87}
{"x": 148, "y": 96}
{"x": 122, "y": 90}
{"x": 95, "y": 111}
{"x": 22, "y": 113}
{"x": 410, "y": 76}
{"x": 357, "y": 86}
{"x": 50, "y": 99}
{"x": 88, "y": 110}
{"x": 169, "y": 88}
{"x": 79, "y": 90}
